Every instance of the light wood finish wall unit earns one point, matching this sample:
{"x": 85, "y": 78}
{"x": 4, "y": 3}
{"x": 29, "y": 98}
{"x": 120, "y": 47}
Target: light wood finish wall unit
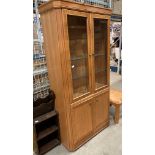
{"x": 76, "y": 39}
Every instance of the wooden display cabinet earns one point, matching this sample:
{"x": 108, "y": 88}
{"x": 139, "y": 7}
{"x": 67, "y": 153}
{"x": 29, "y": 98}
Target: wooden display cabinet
{"x": 77, "y": 45}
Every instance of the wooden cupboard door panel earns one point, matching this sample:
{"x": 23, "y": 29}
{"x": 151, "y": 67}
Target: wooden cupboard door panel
{"x": 101, "y": 110}
{"x": 82, "y": 122}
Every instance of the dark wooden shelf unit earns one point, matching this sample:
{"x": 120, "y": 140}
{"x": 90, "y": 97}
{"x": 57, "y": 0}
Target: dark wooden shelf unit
{"x": 47, "y": 132}
{"x": 48, "y": 146}
{"x": 46, "y": 129}
{"x": 44, "y": 117}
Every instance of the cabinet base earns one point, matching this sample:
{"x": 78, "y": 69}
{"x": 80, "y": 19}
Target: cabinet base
{"x": 86, "y": 140}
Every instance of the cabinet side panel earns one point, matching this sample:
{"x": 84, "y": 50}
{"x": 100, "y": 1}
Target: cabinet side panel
{"x": 65, "y": 65}
{"x": 50, "y": 32}
{"x": 108, "y": 52}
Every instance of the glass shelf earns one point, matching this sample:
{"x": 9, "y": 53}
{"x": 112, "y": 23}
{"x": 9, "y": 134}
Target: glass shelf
{"x": 77, "y": 39}
{"x": 77, "y": 27}
{"x": 99, "y": 54}
{"x": 100, "y": 70}
{"x": 79, "y": 58}
{"x": 80, "y": 77}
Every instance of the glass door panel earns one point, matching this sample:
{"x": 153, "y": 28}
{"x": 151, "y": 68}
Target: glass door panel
{"x": 100, "y": 50}
{"x": 77, "y": 30}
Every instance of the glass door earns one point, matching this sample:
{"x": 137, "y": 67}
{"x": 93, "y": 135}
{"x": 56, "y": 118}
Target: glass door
{"x": 78, "y": 47}
{"x": 100, "y": 40}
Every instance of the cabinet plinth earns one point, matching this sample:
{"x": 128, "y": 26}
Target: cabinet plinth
{"x": 77, "y": 46}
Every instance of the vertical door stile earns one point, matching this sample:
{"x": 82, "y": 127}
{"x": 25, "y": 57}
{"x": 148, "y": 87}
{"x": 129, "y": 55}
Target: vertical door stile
{"x": 91, "y": 54}
{"x": 69, "y": 77}
{"x": 91, "y": 59}
{"x": 108, "y": 52}
{"x": 89, "y": 51}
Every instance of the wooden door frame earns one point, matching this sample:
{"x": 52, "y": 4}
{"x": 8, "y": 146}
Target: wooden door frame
{"x": 66, "y": 12}
{"x": 99, "y": 16}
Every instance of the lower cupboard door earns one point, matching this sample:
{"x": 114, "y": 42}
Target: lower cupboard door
{"x": 81, "y": 122}
{"x": 101, "y": 111}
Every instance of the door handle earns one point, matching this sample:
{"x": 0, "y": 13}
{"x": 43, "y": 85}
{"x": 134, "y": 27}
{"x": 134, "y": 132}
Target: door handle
{"x": 91, "y": 54}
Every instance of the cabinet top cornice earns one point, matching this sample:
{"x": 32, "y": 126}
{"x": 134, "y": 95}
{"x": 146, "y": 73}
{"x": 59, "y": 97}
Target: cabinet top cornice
{"x": 72, "y": 5}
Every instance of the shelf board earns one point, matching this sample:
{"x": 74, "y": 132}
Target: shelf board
{"x": 38, "y": 56}
{"x": 46, "y": 132}
{"x": 39, "y": 64}
{"x": 77, "y": 27}
{"x": 100, "y": 70}
{"x": 80, "y": 77}
{"x": 41, "y": 89}
{"x": 77, "y": 39}
{"x": 48, "y": 146}
{"x": 40, "y": 71}
{"x": 44, "y": 117}
{"x": 38, "y": 40}
{"x": 79, "y": 58}
{"x": 85, "y": 57}
{"x": 99, "y": 54}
